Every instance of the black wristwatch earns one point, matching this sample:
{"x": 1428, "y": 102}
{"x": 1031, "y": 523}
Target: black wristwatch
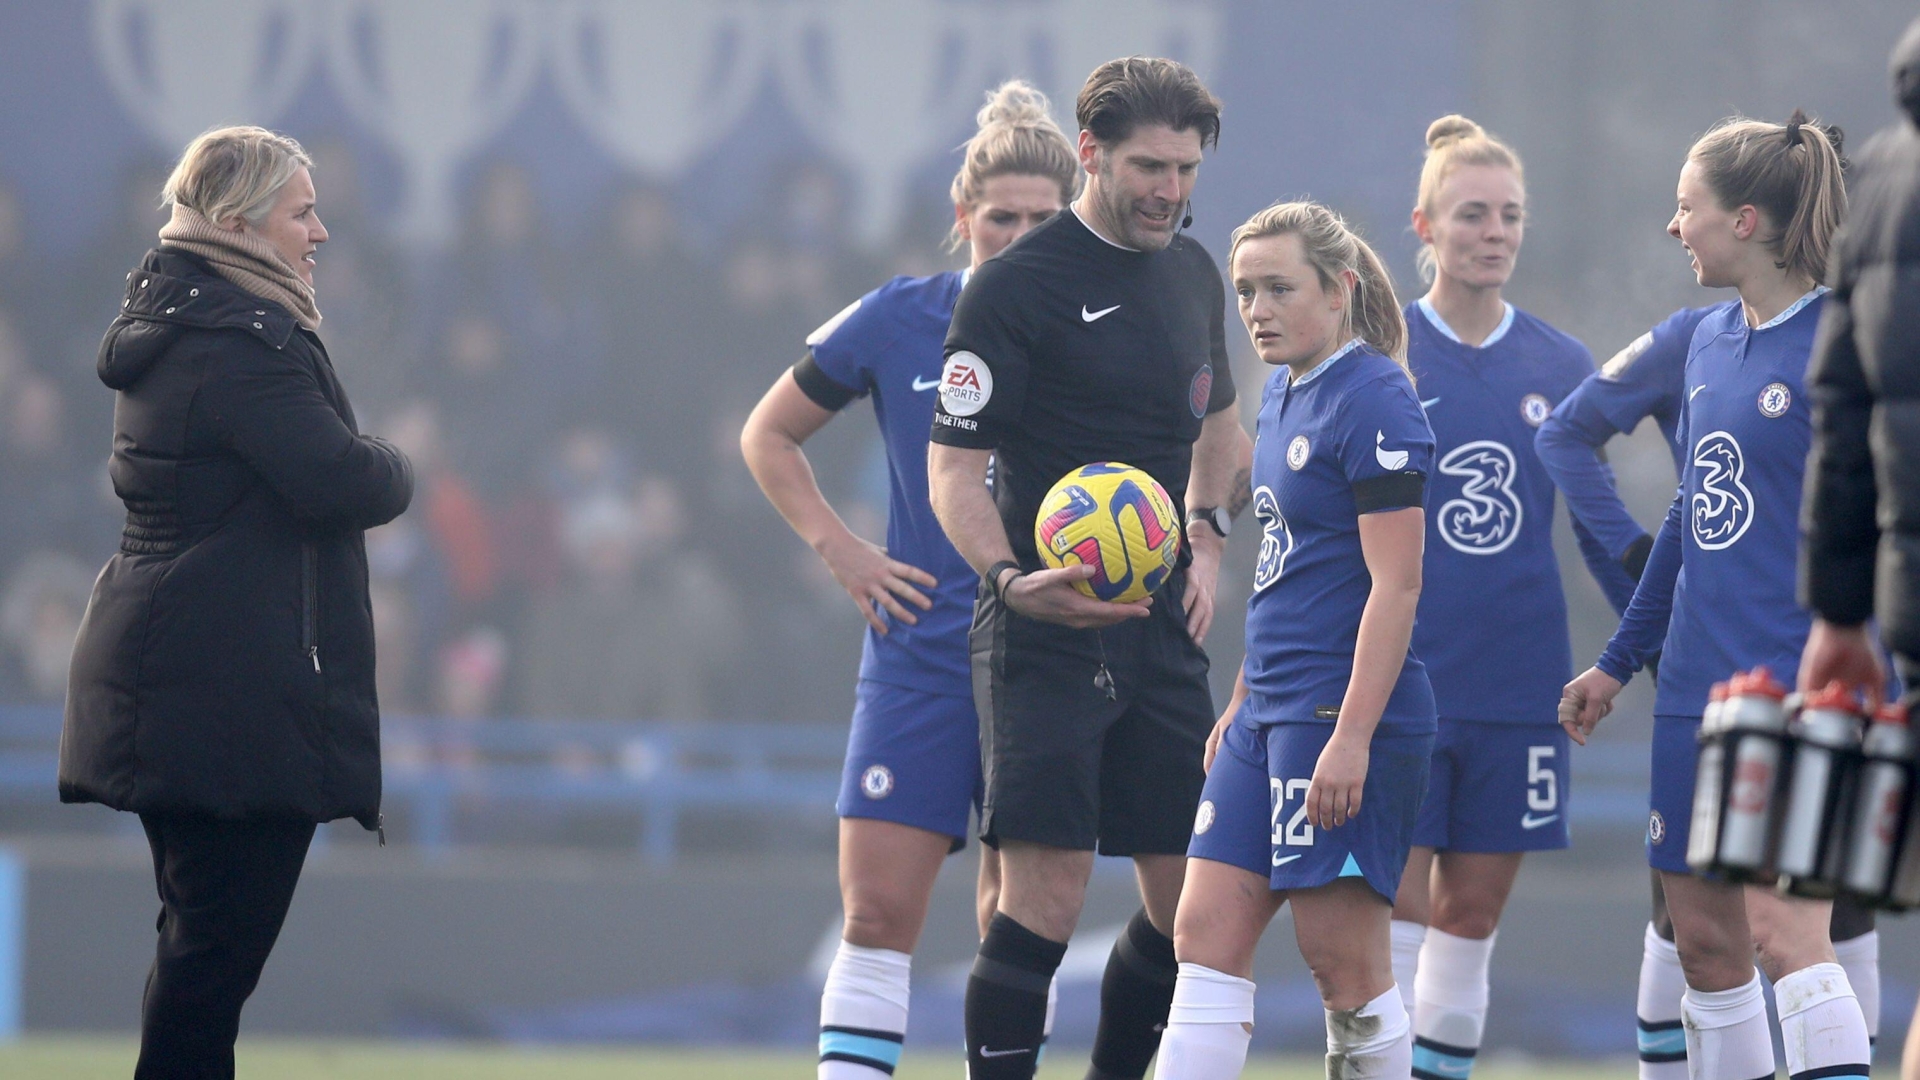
{"x": 993, "y": 577}
{"x": 1215, "y": 516}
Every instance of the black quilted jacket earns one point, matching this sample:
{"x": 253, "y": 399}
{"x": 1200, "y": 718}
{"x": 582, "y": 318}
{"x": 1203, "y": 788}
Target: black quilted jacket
{"x": 1860, "y": 524}
{"x": 225, "y": 663}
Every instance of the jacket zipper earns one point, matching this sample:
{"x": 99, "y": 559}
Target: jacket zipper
{"x": 309, "y": 605}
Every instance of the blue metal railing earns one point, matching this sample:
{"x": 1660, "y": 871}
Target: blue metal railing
{"x": 444, "y": 776}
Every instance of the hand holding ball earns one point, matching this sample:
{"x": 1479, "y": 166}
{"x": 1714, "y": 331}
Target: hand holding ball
{"x": 1116, "y": 519}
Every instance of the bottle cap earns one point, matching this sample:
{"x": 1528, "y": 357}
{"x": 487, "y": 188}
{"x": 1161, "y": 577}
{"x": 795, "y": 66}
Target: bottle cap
{"x": 1760, "y": 683}
{"x": 1834, "y": 697}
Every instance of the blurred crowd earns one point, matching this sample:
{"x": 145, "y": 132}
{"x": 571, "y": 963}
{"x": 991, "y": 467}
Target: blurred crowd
{"x": 585, "y": 542}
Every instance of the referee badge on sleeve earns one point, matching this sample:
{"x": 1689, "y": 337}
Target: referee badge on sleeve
{"x": 966, "y": 385}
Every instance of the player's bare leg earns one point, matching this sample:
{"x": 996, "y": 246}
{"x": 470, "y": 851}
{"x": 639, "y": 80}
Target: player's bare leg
{"x": 887, "y": 872}
{"x": 1459, "y": 899}
{"x": 1222, "y": 912}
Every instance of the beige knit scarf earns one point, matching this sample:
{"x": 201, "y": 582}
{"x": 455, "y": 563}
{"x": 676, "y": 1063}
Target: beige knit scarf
{"x": 244, "y": 259}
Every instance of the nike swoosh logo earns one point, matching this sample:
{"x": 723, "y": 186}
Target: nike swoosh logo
{"x": 925, "y": 384}
{"x": 1429, "y": 403}
{"x": 1090, "y": 316}
{"x": 1278, "y": 861}
{"x": 986, "y": 1053}
{"x": 1696, "y": 392}
{"x": 1528, "y": 821}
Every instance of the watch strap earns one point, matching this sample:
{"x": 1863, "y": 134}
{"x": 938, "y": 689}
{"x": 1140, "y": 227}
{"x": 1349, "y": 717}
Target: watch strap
{"x": 993, "y": 576}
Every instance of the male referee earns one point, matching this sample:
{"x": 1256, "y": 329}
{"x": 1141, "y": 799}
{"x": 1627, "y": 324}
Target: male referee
{"x": 1099, "y": 336}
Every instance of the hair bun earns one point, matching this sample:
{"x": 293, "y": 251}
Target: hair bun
{"x": 1015, "y": 103}
{"x": 1451, "y": 128}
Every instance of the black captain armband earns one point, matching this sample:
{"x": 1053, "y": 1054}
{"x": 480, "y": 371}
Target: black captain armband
{"x": 820, "y": 387}
{"x": 1394, "y": 491}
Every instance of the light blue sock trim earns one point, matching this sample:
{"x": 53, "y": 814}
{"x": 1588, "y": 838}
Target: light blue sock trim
{"x": 861, "y": 1046}
{"x": 1670, "y": 1041}
{"x": 1431, "y": 1062}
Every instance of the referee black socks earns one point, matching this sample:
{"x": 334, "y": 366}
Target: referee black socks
{"x": 1007, "y": 1001}
{"x": 1135, "y": 994}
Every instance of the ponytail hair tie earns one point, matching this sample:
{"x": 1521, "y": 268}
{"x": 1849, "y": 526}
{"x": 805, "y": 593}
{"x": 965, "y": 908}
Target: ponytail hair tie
{"x": 1794, "y": 124}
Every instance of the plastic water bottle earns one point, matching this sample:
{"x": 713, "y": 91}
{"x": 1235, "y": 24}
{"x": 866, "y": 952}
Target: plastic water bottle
{"x": 1753, "y": 733}
{"x": 1703, "y": 836}
{"x": 1819, "y": 792}
{"x": 1883, "y": 860}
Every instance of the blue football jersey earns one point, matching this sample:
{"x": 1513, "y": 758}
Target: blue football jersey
{"x": 1493, "y": 620}
{"x": 1719, "y": 588}
{"x": 1640, "y": 380}
{"x": 889, "y": 344}
{"x": 1348, "y": 439}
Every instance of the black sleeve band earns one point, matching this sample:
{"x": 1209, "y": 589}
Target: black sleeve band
{"x": 820, "y": 387}
{"x": 1394, "y": 491}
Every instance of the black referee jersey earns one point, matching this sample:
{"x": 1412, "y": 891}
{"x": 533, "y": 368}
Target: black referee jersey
{"x": 1066, "y": 349}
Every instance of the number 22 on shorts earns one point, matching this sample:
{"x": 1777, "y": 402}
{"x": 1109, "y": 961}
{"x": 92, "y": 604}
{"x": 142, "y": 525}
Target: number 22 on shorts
{"x": 1296, "y": 832}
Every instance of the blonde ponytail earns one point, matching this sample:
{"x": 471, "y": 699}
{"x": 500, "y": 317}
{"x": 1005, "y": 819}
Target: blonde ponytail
{"x": 1017, "y": 135}
{"x": 1791, "y": 172}
{"x": 1333, "y": 249}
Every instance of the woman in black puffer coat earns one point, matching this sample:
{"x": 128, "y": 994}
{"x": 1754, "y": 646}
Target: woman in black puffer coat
{"x": 222, "y": 685}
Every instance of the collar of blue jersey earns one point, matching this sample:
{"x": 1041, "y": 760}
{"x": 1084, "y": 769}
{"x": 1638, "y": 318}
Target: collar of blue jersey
{"x": 1440, "y": 324}
{"x": 1793, "y": 309}
{"x": 1302, "y": 380}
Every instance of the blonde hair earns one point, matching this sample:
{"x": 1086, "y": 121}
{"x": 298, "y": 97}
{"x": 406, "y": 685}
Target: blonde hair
{"x": 1453, "y": 141}
{"x": 1017, "y": 135}
{"x": 233, "y": 171}
{"x": 1791, "y": 172}
{"x": 1333, "y": 249}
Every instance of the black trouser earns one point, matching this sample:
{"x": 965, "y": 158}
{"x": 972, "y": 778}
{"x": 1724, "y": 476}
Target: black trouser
{"x": 224, "y": 891}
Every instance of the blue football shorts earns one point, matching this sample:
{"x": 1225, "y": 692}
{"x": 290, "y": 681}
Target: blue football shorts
{"x": 1253, "y": 809}
{"x": 913, "y": 757}
{"x": 1496, "y": 788}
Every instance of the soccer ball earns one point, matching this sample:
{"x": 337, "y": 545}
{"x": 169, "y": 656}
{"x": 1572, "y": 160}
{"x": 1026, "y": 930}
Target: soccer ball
{"x": 1116, "y": 519}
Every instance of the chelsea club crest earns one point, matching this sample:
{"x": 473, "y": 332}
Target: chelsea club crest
{"x": 1775, "y": 400}
{"x": 876, "y": 782}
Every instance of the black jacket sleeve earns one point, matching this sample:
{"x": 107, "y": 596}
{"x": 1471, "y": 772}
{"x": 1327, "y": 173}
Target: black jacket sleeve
{"x": 269, "y": 407}
{"x": 1839, "y": 534}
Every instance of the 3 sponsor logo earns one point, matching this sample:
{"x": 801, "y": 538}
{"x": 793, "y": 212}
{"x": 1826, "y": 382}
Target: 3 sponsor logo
{"x": 1484, "y": 519}
{"x": 1721, "y": 508}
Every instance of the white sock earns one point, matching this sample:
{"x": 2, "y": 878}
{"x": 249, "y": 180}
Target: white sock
{"x": 1663, "y": 1045}
{"x": 1372, "y": 1042}
{"x": 1046, "y": 1026}
{"x": 1208, "y": 1026}
{"x": 863, "y": 1013}
{"x": 1861, "y": 957}
{"x": 1821, "y": 1025}
{"x": 1728, "y": 1037}
{"x": 1407, "y": 937}
{"x": 1450, "y": 992}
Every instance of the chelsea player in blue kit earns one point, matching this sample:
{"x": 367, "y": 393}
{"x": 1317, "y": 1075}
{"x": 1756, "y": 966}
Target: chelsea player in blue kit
{"x": 1758, "y": 206}
{"x": 913, "y": 758}
{"x": 1647, "y": 380}
{"x": 1493, "y": 619}
{"x": 1316, "y": 768}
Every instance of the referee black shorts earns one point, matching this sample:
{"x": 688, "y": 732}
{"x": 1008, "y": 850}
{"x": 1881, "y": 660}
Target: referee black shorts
{"x": 1069, "y": 768}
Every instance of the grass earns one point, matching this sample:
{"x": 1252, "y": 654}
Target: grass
{"x": 62, "y": 1058}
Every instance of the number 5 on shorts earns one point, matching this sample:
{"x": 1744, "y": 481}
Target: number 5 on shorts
{"x": 1297, "y": 832}
{"x": 1543, "y": 791}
